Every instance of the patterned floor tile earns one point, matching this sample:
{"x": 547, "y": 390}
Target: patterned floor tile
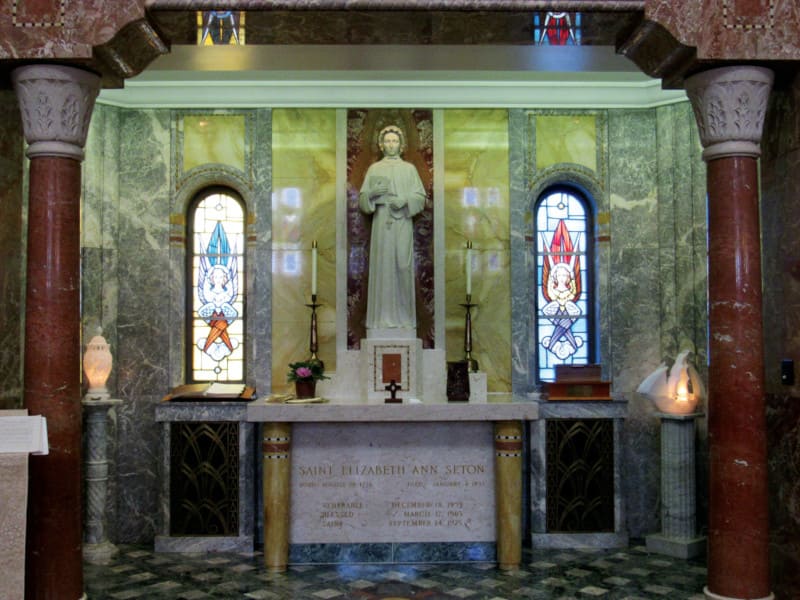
{"x": 660, "y": 590}
{"x": 578, "y": 573}
{"x": 617, "y": 580}
{"x": 327, "y": 594}
{"x": 462, "y": 592}
{"x": 593, "y": 591}
{"x": 262, "y": 595}
{"x": 193, "y": 595}
{"x": 138, "y": 572}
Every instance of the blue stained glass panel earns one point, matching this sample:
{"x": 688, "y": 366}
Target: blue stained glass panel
{"x": 217, "y": 289}
{"x": 563, "y": 282}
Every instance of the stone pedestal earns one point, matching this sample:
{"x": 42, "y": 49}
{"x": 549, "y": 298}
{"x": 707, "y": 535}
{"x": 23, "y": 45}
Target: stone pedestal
{"x": 97, "y": 549}
{"x": 678, "y": 536}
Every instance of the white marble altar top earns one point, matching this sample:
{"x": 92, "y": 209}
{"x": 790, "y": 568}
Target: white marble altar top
{"x": 260, "y": 410}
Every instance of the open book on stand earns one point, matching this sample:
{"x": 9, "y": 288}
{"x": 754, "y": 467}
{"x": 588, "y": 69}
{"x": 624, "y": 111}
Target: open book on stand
{"x": 211, "y": 391}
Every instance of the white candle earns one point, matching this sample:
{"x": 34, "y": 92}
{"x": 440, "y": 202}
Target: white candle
{"x": 468, "y": 267}
{"x": 314, "y": 268}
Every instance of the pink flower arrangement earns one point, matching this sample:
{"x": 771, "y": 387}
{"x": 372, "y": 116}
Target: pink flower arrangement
{"x": 309, "y": 370}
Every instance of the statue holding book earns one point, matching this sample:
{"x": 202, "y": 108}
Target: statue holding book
{"x": 392, "y": 193}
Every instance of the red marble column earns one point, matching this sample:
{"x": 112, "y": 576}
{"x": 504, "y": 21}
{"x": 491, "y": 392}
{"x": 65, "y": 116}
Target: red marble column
{"x": 729, "y": 105}
{"x": 56, "y": 105}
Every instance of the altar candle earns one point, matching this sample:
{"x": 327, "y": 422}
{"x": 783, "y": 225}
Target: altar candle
{"x": 468, "y": 267}
{"x": 314, "y": 268}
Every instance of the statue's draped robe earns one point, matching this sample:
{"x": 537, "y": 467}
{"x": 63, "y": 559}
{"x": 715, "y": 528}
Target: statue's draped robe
{"x": 391, "y": 300}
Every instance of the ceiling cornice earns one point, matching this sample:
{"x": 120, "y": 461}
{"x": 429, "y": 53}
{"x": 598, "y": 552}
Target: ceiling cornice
{"x": 403, "y": 76}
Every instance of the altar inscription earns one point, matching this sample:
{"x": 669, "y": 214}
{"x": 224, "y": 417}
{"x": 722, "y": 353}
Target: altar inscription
{"x": 392, "y": 482}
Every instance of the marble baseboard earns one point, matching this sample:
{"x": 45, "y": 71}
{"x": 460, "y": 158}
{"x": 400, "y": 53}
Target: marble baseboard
{"x": 429, "y": 552}
{"x": 579, "y": 540}
{"x": 242, "y": 543}
{"x": 452, "y": 552}
{"x": 677, "y": 548}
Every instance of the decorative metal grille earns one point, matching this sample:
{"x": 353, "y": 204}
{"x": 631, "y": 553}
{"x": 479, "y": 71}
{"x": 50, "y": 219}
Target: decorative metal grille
{"x": 204, "y": 479}
{"x": 580, "y": 475}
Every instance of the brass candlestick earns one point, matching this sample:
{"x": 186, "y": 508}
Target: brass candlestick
{"x": 313, "y": 342}
{"x": 473, "y": 364}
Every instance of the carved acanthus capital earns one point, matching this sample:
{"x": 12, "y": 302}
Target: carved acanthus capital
{"x": 56, "y": 104}
{"x": 729, "y": 104}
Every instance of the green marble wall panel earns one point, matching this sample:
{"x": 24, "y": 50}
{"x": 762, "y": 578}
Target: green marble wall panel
{"x": 100, "y": 273}
{"x": 521, "y": 224}
{"x": 647, "y": 180}
{"x": 634, "y": 230}
{"x": 476, "y": 197}
{"x": 100, "y": 227}
{"x": 570, "y": 138}
{"x": 215, "y": 139}
{"x": 12, "y": 277}
{"x": 135, "y": 196}
{"x": 303, "y": 210}
{"x": 259, "y": 314}
{"x": 635, "y": 308}
{"x": 682, "y": 233}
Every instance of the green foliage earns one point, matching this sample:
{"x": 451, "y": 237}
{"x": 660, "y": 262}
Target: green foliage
{"x": 306, "y": 370}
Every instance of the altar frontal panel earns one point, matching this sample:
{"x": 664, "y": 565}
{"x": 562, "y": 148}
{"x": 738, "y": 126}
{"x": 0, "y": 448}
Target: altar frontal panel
{"x": 390, "y": 482}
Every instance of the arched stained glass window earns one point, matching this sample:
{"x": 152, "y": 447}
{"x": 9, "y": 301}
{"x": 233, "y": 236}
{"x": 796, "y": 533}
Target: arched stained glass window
{"x": 220, "y": 27}
{"x": 217, "y": 284}
{"x": 557, "y": 28}
{"x": 564, "y": 287}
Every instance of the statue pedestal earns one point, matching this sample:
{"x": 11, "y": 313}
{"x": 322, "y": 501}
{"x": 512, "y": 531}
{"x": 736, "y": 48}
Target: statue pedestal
{"x": 678, "y": 536}
{"x": 384, "y": 360}
{"x": 360, "y": 374}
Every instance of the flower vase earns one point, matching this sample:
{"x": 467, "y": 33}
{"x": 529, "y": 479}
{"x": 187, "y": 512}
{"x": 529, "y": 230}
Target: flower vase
{"x": 305, "y": 389}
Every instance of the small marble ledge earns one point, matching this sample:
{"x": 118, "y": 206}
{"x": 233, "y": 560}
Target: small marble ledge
{"x": 201, "y": 411}
{"x": 260, "y": 411}
{"x": 583, "y": 409}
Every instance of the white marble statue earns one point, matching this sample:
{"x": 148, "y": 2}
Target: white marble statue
{"x": 392, "y": 193}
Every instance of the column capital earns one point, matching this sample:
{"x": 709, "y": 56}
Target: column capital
{"x": 729, "y": 104}
{"x": 56, "y": 103}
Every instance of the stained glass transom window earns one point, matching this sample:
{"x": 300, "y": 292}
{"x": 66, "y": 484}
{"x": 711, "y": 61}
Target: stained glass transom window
{"x": 216, "y": 276}
{"x": 563, "y": 281}
{"x": 220, "y": 27}
{"x": 557, "y": 28}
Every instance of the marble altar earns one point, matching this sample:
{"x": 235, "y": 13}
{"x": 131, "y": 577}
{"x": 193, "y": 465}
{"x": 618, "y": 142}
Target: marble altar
{"x": 392, "y": 483}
